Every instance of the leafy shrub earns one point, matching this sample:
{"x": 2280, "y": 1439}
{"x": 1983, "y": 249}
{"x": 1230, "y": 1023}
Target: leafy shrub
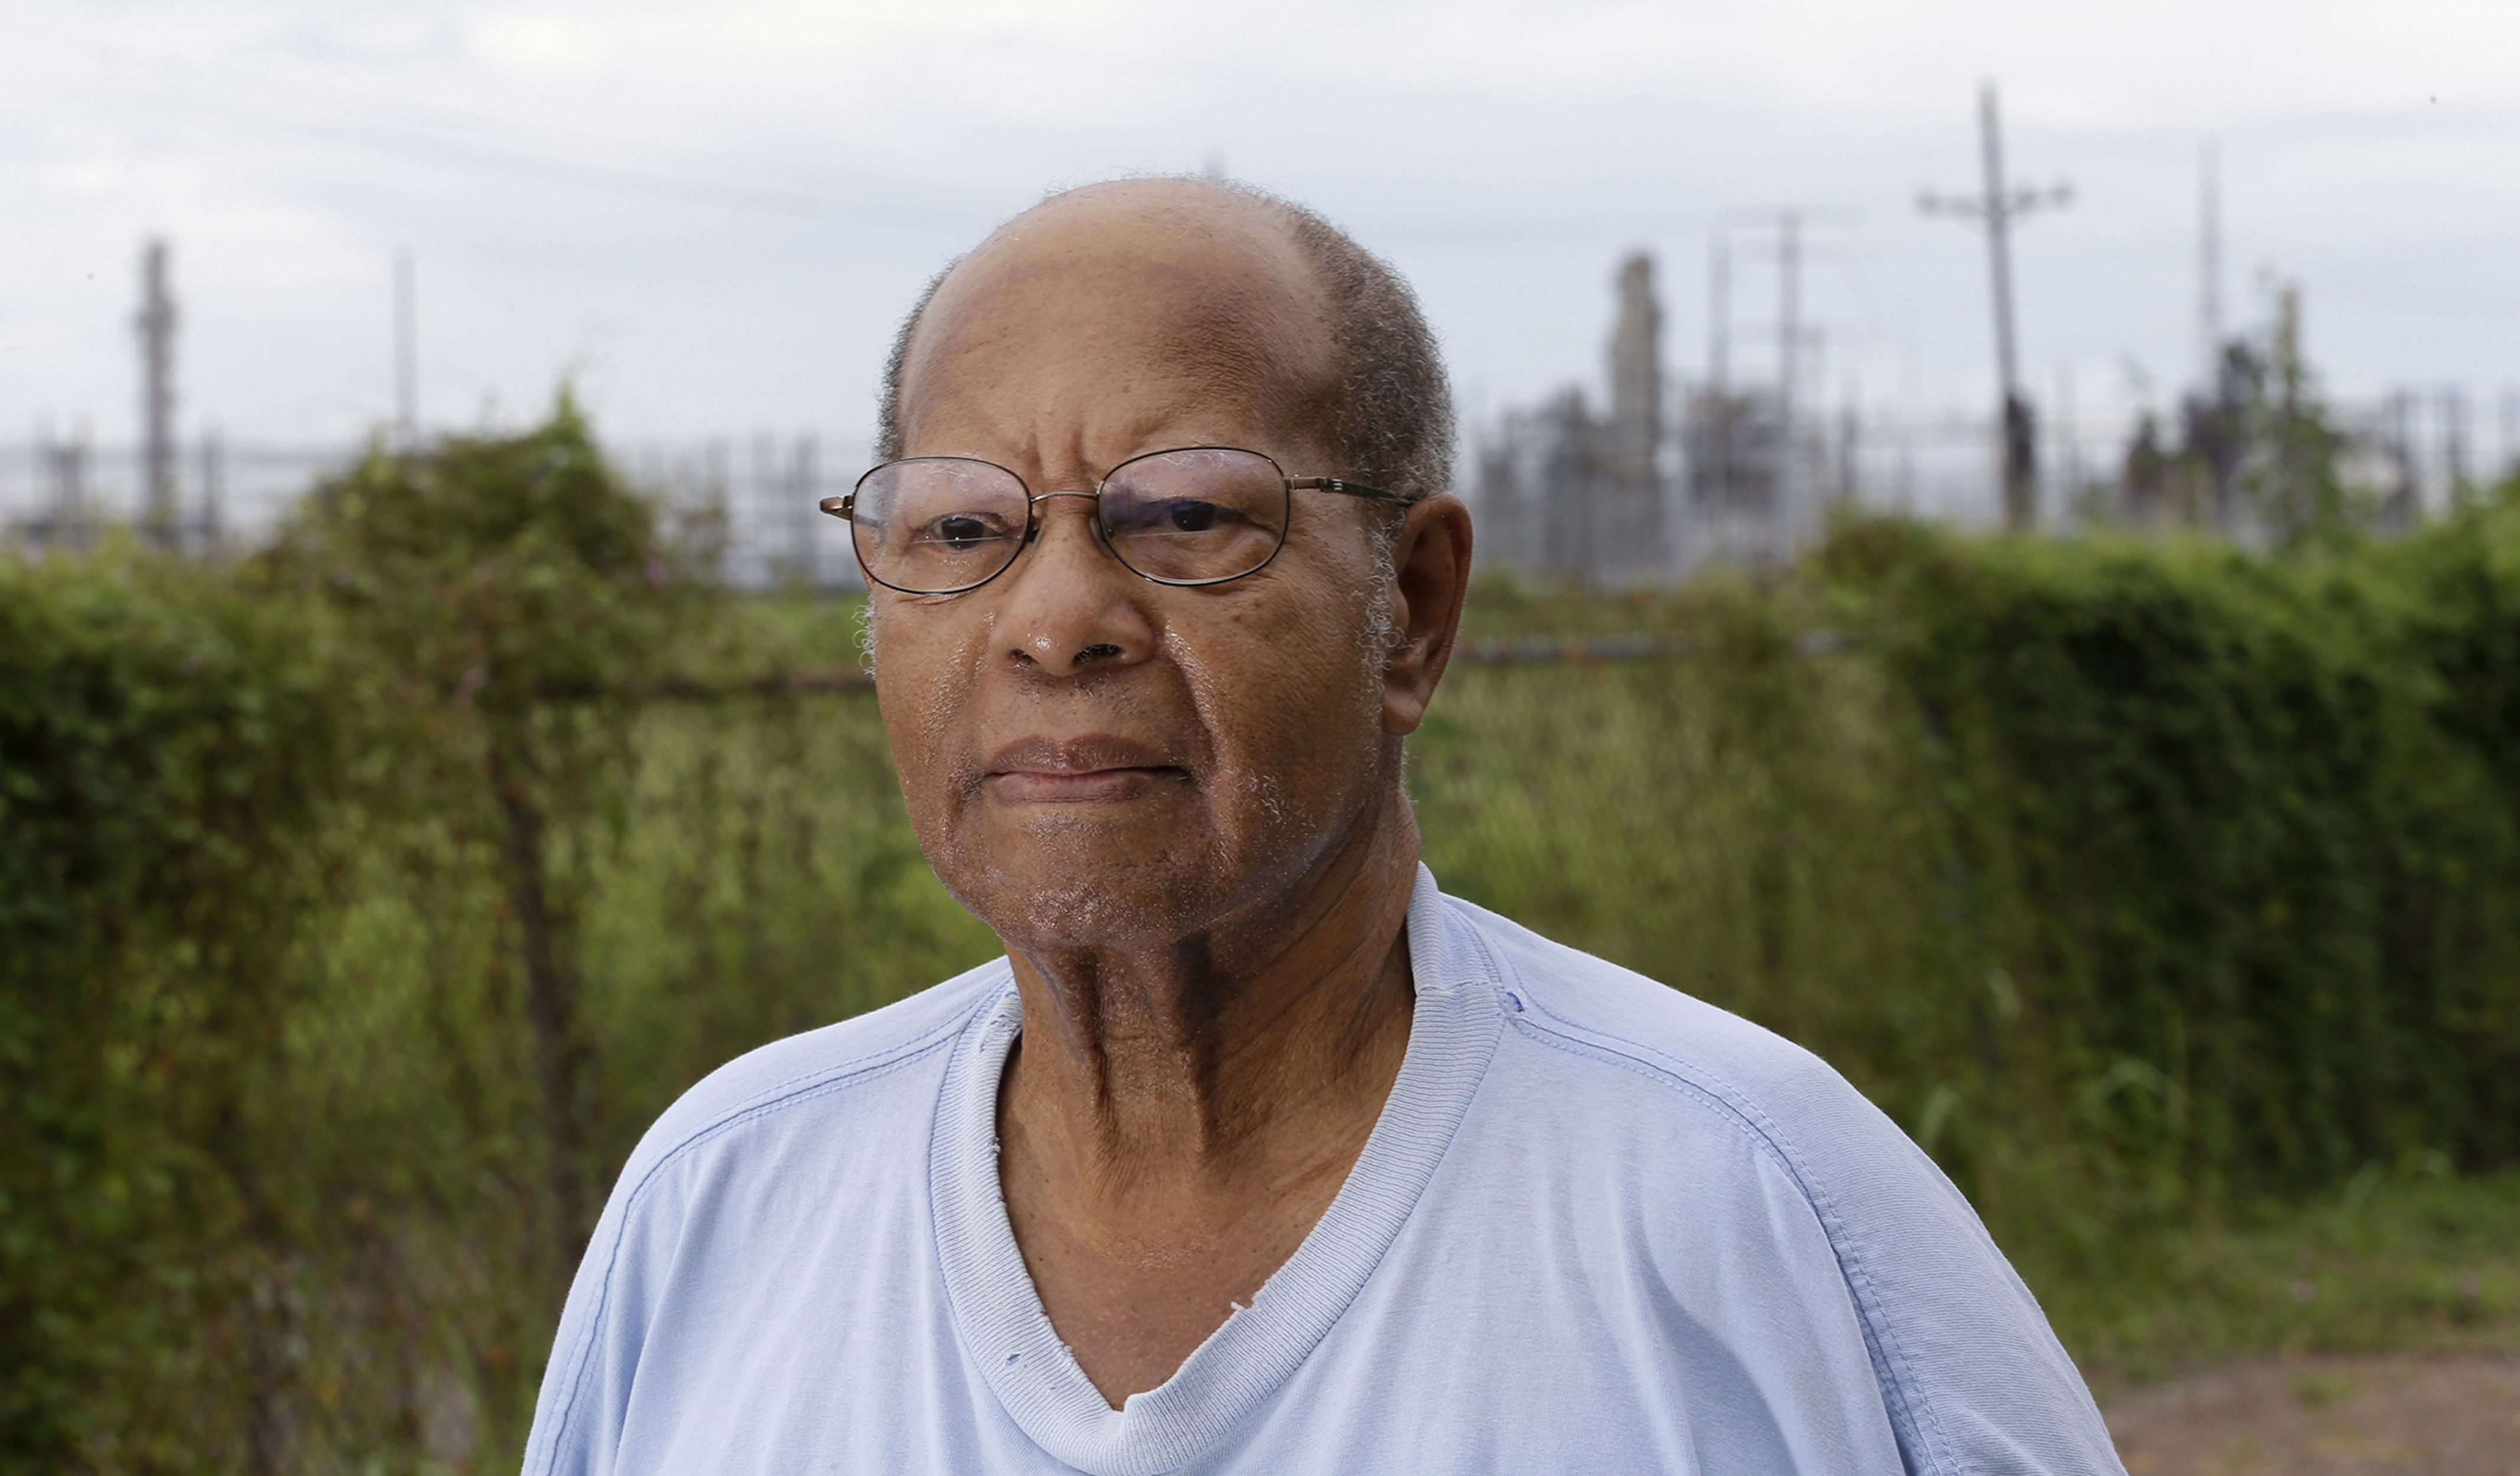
{"x": 2142, "y": 880}
{"x": 360, "y": 904}
{"x": 165, "y": 747}
{"x": 496, "y": 607}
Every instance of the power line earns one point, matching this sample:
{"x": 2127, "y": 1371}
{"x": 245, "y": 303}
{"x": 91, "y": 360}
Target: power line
{"x": 308, "y": 114}
{"x": 329, "y": 117}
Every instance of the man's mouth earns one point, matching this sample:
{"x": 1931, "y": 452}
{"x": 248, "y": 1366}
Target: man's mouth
{"x": 1096, "y": 769}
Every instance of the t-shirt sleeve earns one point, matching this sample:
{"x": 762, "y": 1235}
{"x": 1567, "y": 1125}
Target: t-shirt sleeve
{"x": 1973, "y": 1377}
{"x": 595, "y": 1354}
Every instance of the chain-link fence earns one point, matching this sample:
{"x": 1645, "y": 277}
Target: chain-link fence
{"x": 1530, "y": 477}
{"x": 750, "y": 499}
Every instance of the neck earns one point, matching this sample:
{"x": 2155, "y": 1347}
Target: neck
{"x": 1235, "y": 1055}
{"x": 1175, "y": 1118}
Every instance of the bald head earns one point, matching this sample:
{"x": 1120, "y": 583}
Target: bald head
{"x": 1197, "y": 294}
{"x": 1228, "y": 291}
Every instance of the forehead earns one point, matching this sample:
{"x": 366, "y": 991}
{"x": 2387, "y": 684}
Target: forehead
{"x": 1115, "y": 316}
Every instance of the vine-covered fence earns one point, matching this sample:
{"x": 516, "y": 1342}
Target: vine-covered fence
{"x": 361, "y": 902}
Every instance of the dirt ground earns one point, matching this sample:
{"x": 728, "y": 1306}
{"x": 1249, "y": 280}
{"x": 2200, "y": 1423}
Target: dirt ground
{"x": 2440, "y": 1416}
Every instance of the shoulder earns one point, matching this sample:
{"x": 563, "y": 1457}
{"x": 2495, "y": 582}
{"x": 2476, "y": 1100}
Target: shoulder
{"x": 1592, "y": 1010}
{"x": 1746, "y": 1124}
{"x": 738, "y": 1176}
{"x": 852, "y": 1064}
{"x": 1708, "y": 1093}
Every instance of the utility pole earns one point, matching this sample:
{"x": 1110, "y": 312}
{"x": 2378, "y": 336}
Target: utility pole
{"x": 2069, "y": 449}
{"x": 213, "y": 488}
{"x": 1996, "y": 207}
{"x": 1719, "y": 360}
{"x": 2454, "y": 403}
{"x": 2209, "y": 264}
{"x": 2510, "y": 433}
{"x": 155, "y": 323}
{"x": 1789, "y": 344}
{"x": 1719, "y": 312}
{"x": 406, "y": 350}
{"x": 2219, "y": 393}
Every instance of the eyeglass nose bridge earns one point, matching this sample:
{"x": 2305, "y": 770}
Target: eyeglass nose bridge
{"x": 1032, "y": 520}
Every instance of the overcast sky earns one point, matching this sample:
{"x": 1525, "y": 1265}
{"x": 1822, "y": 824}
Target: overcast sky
{"x": 710, "y": 216}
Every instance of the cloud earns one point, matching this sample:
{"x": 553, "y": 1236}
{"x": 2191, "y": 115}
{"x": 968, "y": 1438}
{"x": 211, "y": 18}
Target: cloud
{"x": 717, "y": 209}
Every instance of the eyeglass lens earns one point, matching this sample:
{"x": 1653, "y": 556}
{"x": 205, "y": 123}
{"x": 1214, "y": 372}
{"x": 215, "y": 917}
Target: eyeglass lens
{"x": 936, "y": 524}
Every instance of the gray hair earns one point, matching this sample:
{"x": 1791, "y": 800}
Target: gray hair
{"x": 1390, "y": 416}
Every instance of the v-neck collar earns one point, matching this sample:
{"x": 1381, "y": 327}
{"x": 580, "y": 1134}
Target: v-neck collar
{"x": 1452, "y": 1034}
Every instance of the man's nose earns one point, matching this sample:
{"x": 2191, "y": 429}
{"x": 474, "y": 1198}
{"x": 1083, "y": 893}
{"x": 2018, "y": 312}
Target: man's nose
{"x": 1072, "y": 607}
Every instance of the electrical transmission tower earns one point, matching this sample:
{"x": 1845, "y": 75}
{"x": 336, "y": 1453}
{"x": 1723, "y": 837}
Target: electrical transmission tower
{"x": 1792, "y": 334}
{"x": 1996, "y": 208}
{"x": 155, "y": 323}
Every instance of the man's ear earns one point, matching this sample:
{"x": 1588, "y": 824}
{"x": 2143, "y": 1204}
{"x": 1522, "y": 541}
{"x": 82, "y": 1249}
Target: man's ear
{"x": 1430, "y": 563}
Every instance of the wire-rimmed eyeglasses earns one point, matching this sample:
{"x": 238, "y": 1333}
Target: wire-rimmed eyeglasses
{"x": 1191, "y": 516}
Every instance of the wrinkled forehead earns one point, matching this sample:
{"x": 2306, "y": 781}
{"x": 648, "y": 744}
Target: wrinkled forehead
{"x": 1160, "y": 304}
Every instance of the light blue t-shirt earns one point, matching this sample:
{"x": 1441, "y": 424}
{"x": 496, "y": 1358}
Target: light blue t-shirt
{"x": 1598, "y": 1226}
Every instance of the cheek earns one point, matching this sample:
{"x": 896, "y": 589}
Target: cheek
{"x": 1291, "y": 700}
{"x": 922, "y": 692}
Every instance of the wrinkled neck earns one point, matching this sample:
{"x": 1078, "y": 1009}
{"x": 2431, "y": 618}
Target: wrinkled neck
{"x": 1194, "y": 1054}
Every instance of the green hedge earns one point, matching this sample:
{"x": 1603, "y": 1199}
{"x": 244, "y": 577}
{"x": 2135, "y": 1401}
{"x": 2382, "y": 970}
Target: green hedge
{"x": 163, "y": 747}
{"x": 2240, "y": 832}
{"x": 359, "y": 903}
{"x": 2142, "y": 880}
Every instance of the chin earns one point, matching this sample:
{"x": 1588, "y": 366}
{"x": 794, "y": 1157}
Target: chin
{"x": 1072, "y": 896}
{"x": 1124, "y": 876}
{"x": 1087, "y": 912}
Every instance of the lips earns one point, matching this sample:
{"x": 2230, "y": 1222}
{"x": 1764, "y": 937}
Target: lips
{"x": 1097, "y": 768}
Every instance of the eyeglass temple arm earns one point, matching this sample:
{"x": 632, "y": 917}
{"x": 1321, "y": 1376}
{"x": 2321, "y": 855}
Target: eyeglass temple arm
{"x": 841, "y": 506}
{"x": 1344, "y": 489}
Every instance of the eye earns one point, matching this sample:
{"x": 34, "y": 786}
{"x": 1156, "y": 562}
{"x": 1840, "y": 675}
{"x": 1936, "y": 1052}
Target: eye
{"x": 959, "y": 533}
{"x": 1193, "y": 516}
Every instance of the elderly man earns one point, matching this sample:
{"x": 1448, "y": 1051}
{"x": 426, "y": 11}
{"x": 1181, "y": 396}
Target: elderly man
{"x": 1255, "y": 1153}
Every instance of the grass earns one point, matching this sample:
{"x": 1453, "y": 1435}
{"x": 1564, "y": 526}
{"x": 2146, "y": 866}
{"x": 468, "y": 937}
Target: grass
{"x": 2395, "y": 1262}
{"x": 2153, "y": 888}
{"x": 760, "y": 879}
{"x": 1752, "y": 823}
